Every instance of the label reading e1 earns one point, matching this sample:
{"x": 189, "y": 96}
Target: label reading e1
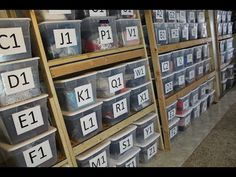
{"x": 99, "y": 161}
{"x": 116, "y": 82}
{"x": 127, "y": 12}
{"x": 64, "y": 38}
{"x": 88, "y": 123}
{"x": 148, "y": 131}
{"x": 139, "y": 72}
{"x": 105, "y": 34}
{"x": 18, "y": 80}
{"x": 152, "y": 151}
{"x": 143, "y": 97}
{"x": 100, "y": 13}
{"x": 162, "y": 35}
{"x": 131, "y": 163}
{"x": 126, "y": 144}
{"x": 120, "y": 108}
{"x": 84, "y": 94}
{"x": 132, "y": 33}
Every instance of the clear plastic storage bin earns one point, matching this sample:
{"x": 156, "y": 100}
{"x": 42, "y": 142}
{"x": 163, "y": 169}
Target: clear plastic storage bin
{"x": 136, "y": 72}
{"x": 99, "y": 33}
{"x": 171, "y": 111}
{"x": 161, "y": 33}
{"x": 194, "y": 95}
{"x": 188, "y": 57}
{"x": 202, "y": 90}
{"x": 166, "y": 64}
{"x": 190, "y": 74}
{"x": 85, "y": 123}
{"x": 178, "y": 60}
{"x": 196, "y": 111}
{"x": 184, "y": 31}
{"x": 193, "y": 32}
{"x": 81, "y": 14}
{"x": 199, "y": 70}
{"x": 149, "y": 148}
{"x": 219, "y": 16}
{"x": 191, "y": 16}
{"x": 207, "y": 66}
{"x": 229, "y": 55}
{"x": 170, "y": 16}
{"x": 202, "y": 30}
{"x": 97, "y": 156}
{"x": 224, "y": 28}
{"x": 223, "y": 16}
{"x": 222, "y": 45}
{"x": 211, "y": 98}
{"x": 179, "y": 79}
{"x": 185, "y": 120}
{"x": 223, "y": 86}
{"x": 181, "y": 16}
{"x": 203, "y": 105}
{"x": 122, "y": 141}
{"x": 76, "y": 92}
{"x": 223, "y": 73}
{"x": 54, "y": 15}
{"x": 174, "y": 32}
{"x": 145, "y": 127}
{"x": 111, "y": 81}
{"x": 128, "y": 31}
{"x": 16, "y": 126}
{"x": 183, "y": 104}
{"x": 220, "y": 29}
{"x": 210, "y": 85}
{"x": 205, "y": 51}
{"x": 230, "y": 28}
{"x": 116, "y": 109}
{"x": 197, "y": 54}
{"x": 61, "y": 38}
{"x": 229, "y": 83}
{"x": 168, "y": 84}
{"x": 123, "y": 13}
{"x": 40, "y": 151}
{"x": 141, "y": 97}
{"x": 158, "y": 16}
{"x": 223, "y": 58}
{"x": 19, "y": 81}
{"x": 230, "y": 71}
{"x": 229, "y": 15}
{"x": 229, "y": 43}
{"x": 200, "y": 16}
{"x": 173, "y": 128}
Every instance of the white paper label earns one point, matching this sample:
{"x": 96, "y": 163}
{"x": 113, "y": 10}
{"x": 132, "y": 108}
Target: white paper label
{"x": 120, "y": 108}
{"x": 59, "y": 12}
{"x": 11, "y": 41}
{"x": 116, "y": 82}
{"x": 18, "y": 80}
{"x": 65, "y": 38}
{"x": 152, "y": 151}
{"x": 165, "y": 66}
{"x": 168, "y": 87}
{"x": 191, "y": 16}
{"x": 174, "y": 33}
{"x": 171, "y": 15}
{"x": 127, "y": 12}
{"x": 189, "y": 58}
{"x": 148, "y": 131}
{"x": 159, "y": 14}
{"x": 100, "y": 13}
{"x": 182, "y": 16}
{"x": 204, "y": 31}
{"x": 195, "y": 98}
{"x": 84, "y": 94}
{"x": 185, "y": 33}
{"x": 99, "y": 161}
{"x": 194, "y": 32}
{"x": 186, "y": 104}
{"x": 173, "y": 131}
{"x": 180, "y": 61}
{"x": 132, "y": 33}
{"x": 171, "y": 114}
{"x": 187, "y": 121}
{"x": 162, "y": 35}
{"x": 38, "y": 154}
{"x": 199, "y": 52}
{"x": 89, "y": 123}
{"x": 105, "y": 34}
{"x": 143, "y": 97}
{"x": 191, "y": 74}
{"x": 27, "y": 120}
{"x": 200, "y": 70}
{"x": 126, "y": 144}
{"x": 131, "y": 163}
{"x": 201, "y": 16}
{"x": 139, "y": 72}
{"x": 181, "y": 79}
{"x": 203, "y": 91}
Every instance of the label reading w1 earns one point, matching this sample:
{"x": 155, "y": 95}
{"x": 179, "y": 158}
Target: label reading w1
{"x": 65, "y": 38}
{"x": 84, "y": 94}
{"x": 152, "y": 151}
{"x": 105, "y": 34}
{"x": 11, "y": 41}
{"x": 126, "y": 144}
{"x": 139, "y": 72}
{"x": 99, "y": 161}
{"x": 27, "y": 120}
{"x": 165, "y": 66}
{"x": 116, "y": 83}
{"x": 100, "y": 13}
{"x": 148, "y": 131}
{"x": 143, "y": 97}
{"x": 18, "y": 80}
{"x": 127, "y": 12}
{"x": 38, "y": 154}
{"x": 120, "y": 108}
{"x": 132, "y": 33}
{"x": 175, "y": 33}
{"x": 58, "y": 12}
{"x": 131, "y": 163}
{"x": 88, "y": 123}
{"x": 162, "y": 35}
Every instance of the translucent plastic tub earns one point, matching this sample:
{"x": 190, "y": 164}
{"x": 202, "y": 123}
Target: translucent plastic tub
{"x": 85, "y": 123}
{"x": 223, "y": 16}
{"x": 224, "y": 28}
{"x": 54, "y": 15}
{"x": 188, "y": 57}
{"x": 123, "y": 13}
{"x": 99, "y": 33}
{"x": 202, "y": 90}
{"x": 223, "y": 73}
{"x": 202, "y": 30}
{"x": 145, "y": 127}
{"x": 210, "y": 98}
{"x": 39, "y": 151}
{"x": 203, "y": 105}
{"x": 207, "y": 66}
{"x": 199, "y": 70}
{"x": 210, "y": 85}
{"x": 185, "y": 120}
{"x": 181, "y": 16}
{"x": 223, "y": 58}
{"x": 229, "y": 43}
{"x": 179, "y": 79}
{"x": 128, "y": 31}
{"x": 170, "y": 16}
{"x": 220, "y": 29}
{"x": 81, "y": 14}
{"x": 136, "y": 72}
{"x": 191, "y": 16}
{"x": 183, "y": 104}
{"x": 230, "y": 28}
{"x": 97, "y": 156}
{"x": 200, "y": 16}
{"x": 197, "y": 54}
{"x": 76, "y": 92}
{"x": 15, "y": 39}
{"x": 61, "y": 38}
{"x": 223, "y": 86}
{"x": 173, "y": 127}
{"x": 174, "y": 32}
{"x": 196, "y": 111}
{"x": 229, "y": 55}
{"x": 184, "y": 31}
{"x": 19, "y": 81}
{"x": 194, "y": 96}
{"x": 193, "y": 34}
{"x": 205, "y": 51}
{"x": 161, "y": 33}
{"x": 171, "y": 111}
{"x": 158, "y": 16}
{"x": 166, "y": 64}
{"x": 122, "y": 141}
{"x": 168, "y": 84}
{"x": 222, "y": 45}
{"x": 178, "y": 60}
{"x": 190, "y": 74}
{"x": 229, "y": 15}
{"x": 230, "y": 71}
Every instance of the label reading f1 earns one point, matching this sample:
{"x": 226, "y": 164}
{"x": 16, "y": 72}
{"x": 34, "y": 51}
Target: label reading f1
{"x": 162, "y": 35}
{"x": 84, "y": 94}
{"x": 120, "y": 108}
{"x": 132, "y": 33}
{"x": 18, "y": 80}
{"x": 152, "y": 151}
{"x": 180, "y": 61}
{"x": 143, "y": 97}
{"x": 27, "y": 120}
{"x": 181, "y": 79}
{"x": 168, "y": 87}
{"x": 116, "y": 83}
{"x": 11, "y": 41}
{"x": 139, "y": 72}
{"x": 65, "y": 38}
{"x": 38, "y": 154}
{"x": 165, "y": 66}
{"x": 131, "y": 163}
{"x": 171, "y": 114}
{"x": 59, "y": 12}
{"x": 175, "y": 33}
{"x": 99, "y": 161}
{"x": 126, "y": 144}
{"x": 105, "y": 34}
{"x": 100, "y": 13}
{"x": 89, "y": 123}
{"x": 148, "y": 131}
{"x": 127, "y": 12}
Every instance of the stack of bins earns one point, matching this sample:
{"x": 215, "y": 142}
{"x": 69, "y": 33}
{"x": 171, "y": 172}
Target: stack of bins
{"x": 26, "y": 140}
{"x": 225, "y": 23}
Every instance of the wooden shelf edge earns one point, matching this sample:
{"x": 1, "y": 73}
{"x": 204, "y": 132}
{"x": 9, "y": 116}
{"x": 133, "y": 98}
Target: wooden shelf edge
{"x": 225, "y": 65}
{"x": 182, "y": 45}
{"x": 225, "y": 37}
{"x": 60, "y": 164}
{"x": 112, "y": 130}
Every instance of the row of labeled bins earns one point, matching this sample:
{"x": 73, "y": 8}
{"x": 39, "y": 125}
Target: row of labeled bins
{"x": 227, "y": 72}
{"x": 225, "y": 28}
{"x": 56, "y": 15}
{"x": 227, "y": 56}
{"x": 223, "y": 16}
{"x": 73, "y": 37}
{"x": 135, "y": 143}
{"x": 225, "y": 45}
{"x": 227, "y": 84}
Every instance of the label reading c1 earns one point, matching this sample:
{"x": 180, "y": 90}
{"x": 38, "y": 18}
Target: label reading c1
{"x": 65, "y": 38}
{"x": 120, "y": 108}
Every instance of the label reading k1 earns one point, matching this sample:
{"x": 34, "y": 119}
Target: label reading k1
{"x": 84, "y": 94}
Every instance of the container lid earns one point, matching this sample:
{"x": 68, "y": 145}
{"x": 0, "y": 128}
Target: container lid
{"x": 165, "y": 54}
{"x": 198, "y": 102}
{"x": 204, "y": 98}
{"x": 59, "y": 21}
{"x": 140, "y": 86}
{"x": 231, "y": 77}
{"x": 173, "y": 122}
{"x": 116, "y": 96}
{"x": 145, "y": 119}
{"x": 93, "y": 150}
{"x": 150, "y": 140}
{"x": 171, "y": 104}
{"x": 72, "y": 113}
{"x": 23, "y": 102}
{"x": 230, "y": 50}
{"x": 75, "y": 78}
{"x": 224, "y": 81}
{"x": 207, "y": 59}
{"x": 185, "y": 114}
{"x": 194, "y": 90}
{"x": 9, "y": 147}
{"x": 212, "y": 92}
{"x": 223, "y": 69}
{"x": 169, "y": 75}
{"x": 184, "y": 96}
{"x": 180, "y": 70}
{"x": 123, "y": 132}
{"x": 18, "y": 61}
{"x": 99, "y": 18}
{"x": 128, "y": 19}
{"x": 193, "y": 65}
{"x": 230, "y": 66}
{"x": 13, "y": 19}
{"x": 116, "y": 67}
{"x": 137, "y": 61}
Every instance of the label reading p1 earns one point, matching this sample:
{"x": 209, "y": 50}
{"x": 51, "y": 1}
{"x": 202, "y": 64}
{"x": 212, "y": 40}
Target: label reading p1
{"x": 18, "y": 80}
{"x": 84, "y": 94}
{"x": 88, "y": 123}
{"x": 38, "y": 154}
{"x": 139, "y": 72}
{"x": 126, "y": 144}
{"x": 127, "y": 12}
{"x": 116, "y": 83}
{"x": 120, "y": 108}
{"x": 143, "y": 97}
{"x": 59, "y": 12}
{"x": 152, "y": 151}
{"x": 105, "y": 34}
{"x": 27, "y": 120}
{"x": 165, "y": 66}
{"x": 132, "y": 33}
{"x": 11, "y": 41}
{"x": 64, "y": 38}
{"x": 131, "y": 163}
{"x": 162, "y": 35}
{"x": 99, "y": 161}
{"x": 175, "y": 33}
{"x": 148, "y": 131}
{"x": 100, "y": 13}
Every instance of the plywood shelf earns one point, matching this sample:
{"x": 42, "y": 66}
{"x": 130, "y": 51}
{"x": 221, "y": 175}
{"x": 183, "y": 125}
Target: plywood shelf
{"x": 225, "y": 37}
{"x": 61, "y": 163}
{"x": 225, "y": 65}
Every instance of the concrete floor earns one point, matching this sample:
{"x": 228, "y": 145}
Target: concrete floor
{"x": 184, "y": 144}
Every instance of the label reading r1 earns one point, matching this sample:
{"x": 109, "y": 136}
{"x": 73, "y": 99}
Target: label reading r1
{"x": 132, "y": 33}
{"x": 120, "y": 108}
{"x": 126, "y": 143}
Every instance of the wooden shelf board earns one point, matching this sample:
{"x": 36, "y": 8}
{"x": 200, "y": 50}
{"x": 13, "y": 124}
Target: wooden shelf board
{"x": 182, "y": 45}
{"x": 225, "y": 37}
{"x": 112, "y": 130}
{"x": 225, "y": 65}
{"x": 61, "y": 161}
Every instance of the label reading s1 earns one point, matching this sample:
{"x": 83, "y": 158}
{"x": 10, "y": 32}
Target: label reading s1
{"x": 84, "y": 94}
{"x": 64, "y": 38}
{"x": 139, "y": 72}
{"x": 126, "y": 144}
{"x": 89, "y": 123}
{"x": 120, "y": 108}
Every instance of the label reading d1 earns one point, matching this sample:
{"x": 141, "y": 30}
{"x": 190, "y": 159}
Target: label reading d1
{"x": 100, "y": 13}
{"x": 152, "y": 151}
{"x": 84, "y": 94}
{"x": 64, "y": 38}
{"x": 105, "y": 34}
{"x": 143, "y": 97}
{"x": 127, "y": 12}
{"x": 126, "y": 143}
{"x": 88, "y": 123}
{"x": 116, "y": 83}
{"x": 131, "y": 163}
{"x": 162, "y": 35}
{"x": 99, "y": 161}
{"x": 132, "y": 33}
{"x": 139, "y": 72}
{"x": 120, "y": 108}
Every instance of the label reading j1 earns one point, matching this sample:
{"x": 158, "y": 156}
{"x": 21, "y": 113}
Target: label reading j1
{"x": 165, "y": 66}
{"x": 99, "y": 161}
{"x": 173, "y": 131}
{"x": 89, "y": 123}
{"x": 171, "y": 15}
{"x": 116, "y": 83}
{"x": 65, "y": 38}
{"x": 100, "y": 13}
{"x": 18, "y": 80}
{"x": 175, "y": 33}
{"x": 168, "y": 87}
{"x": 127, "y": 12}
{"x": 152, "y": 151}
{"x": 120, "y": 108}
{"x": 105, "y": 34}
{"x": 191, "y": 74}
{"x": 126, "y": 143}
{"x": 181, "y": 80}
{"x": 186, "y": 104}
{"x": 187, "y": 121}
{"x": 171, "y": 114}
{"x": 189, "y": 58}
{"x": 159, "y": 14}
{"x": 84, "y": 94}
{"x": 180, "y": 61}
{"x": 59, "y": 12}
{"x": 148, "y": 131}
{"x": 139, "y": 72}
{"x": 162, "y": 35}
{"x": 38, "y": 154}
{"x": 200, "y": 70}
{"x": 132, "y": 33}
{"x": 11, "y": 41}
{"x": 143, "y": 97}
{"x": 131, "y": 163}
{"x": 27, "y": 120}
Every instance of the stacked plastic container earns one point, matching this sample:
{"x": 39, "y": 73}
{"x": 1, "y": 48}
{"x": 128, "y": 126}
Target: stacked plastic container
{"x": 26, "y": 137}
{"x": 225, "y": 24}
{"x": 226, "y": 51}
